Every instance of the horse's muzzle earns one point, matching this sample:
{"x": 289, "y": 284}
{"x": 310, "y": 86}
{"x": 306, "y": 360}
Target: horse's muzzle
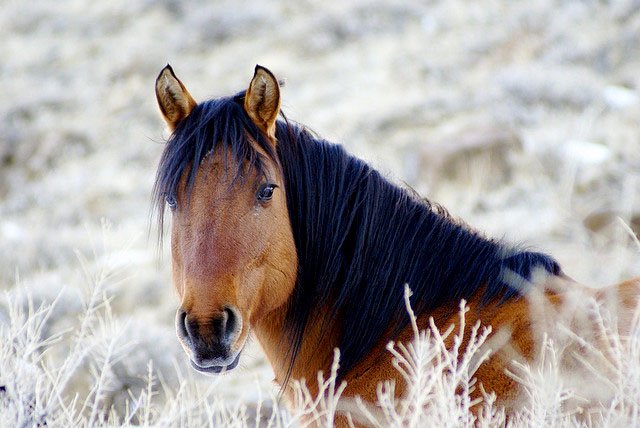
{"x": 208, "y": 341}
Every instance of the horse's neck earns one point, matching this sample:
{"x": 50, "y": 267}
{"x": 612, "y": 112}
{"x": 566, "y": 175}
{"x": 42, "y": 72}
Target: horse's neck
{"x": 316, "y": 350}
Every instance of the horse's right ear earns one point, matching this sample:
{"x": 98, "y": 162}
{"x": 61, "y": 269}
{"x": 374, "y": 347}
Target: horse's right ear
{"x": 174, "y": 100}
{"x": 262, "y": 100}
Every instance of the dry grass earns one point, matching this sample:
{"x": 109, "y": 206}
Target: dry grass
{"x": 36, "y": 386}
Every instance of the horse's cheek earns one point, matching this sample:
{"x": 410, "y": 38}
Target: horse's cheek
{"x": 269, "y": 284}
{"x": 251, "y": 292}
{"x": 281, "y": 277}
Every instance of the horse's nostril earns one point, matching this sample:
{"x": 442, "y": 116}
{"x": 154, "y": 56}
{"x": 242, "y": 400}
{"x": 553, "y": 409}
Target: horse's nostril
{"x": 232, "y": 321}
{"x": 181, "y": 323}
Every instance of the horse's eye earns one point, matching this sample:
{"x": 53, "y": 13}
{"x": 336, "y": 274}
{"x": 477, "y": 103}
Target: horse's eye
{"x": 171, "y": 201}
{"x": 265, "y": 192}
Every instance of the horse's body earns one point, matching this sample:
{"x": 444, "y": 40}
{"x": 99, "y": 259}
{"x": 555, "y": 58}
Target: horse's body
{"x": 280, "y": 232}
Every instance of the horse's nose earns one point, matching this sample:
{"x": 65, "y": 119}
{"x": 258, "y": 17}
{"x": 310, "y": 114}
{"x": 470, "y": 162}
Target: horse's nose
{"x": 220, "y": 328}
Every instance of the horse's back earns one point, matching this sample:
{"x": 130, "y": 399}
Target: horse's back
{"x": 518, "y": 328}
{"x": 622, "y": 301}
{"x": 580, "y": 322}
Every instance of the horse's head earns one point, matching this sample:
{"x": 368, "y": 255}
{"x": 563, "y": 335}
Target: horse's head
{"x": 233, "y": 254}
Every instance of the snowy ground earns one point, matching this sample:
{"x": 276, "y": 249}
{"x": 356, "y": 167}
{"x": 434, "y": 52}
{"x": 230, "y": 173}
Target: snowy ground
{"x": 523, "y": 118}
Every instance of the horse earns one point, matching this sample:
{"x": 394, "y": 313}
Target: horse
{"x": 282, "y": 234}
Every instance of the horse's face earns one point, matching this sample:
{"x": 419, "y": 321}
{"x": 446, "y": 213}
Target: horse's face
{"x": 233, "y": 253}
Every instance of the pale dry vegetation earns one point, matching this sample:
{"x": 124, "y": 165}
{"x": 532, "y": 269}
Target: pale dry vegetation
{"x": 36, "y": 385}
{"x": 520, "y": 117}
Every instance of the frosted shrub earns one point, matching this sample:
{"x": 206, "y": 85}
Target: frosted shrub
{"x": 439, "y": 380}
{"x": 26, "y": 390}
{"x": 36, "y": 389}
{"x": 36, "y": 386}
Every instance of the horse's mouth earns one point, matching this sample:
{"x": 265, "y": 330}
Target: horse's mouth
{"x": 216, "y": 369}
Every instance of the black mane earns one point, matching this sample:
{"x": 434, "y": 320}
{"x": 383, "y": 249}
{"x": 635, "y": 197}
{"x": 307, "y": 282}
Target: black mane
{"x": 359, "y": 238}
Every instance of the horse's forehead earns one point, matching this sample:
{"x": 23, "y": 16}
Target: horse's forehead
{"x": 224, "y": 184}
{"x": 221, "y": 168}
{"x": 221, "y": 187}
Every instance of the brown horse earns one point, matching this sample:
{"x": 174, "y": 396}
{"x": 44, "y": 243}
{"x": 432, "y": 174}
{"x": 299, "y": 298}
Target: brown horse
{"x": 280, "y": 233}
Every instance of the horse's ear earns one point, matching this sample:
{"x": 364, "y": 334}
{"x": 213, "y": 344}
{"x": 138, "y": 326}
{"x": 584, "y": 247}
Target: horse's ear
{"x": 174, "y": 100}
{"x": 262, "y": 100}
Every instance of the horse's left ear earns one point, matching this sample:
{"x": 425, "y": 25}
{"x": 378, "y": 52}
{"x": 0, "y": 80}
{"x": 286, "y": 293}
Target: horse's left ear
{"x": 262, "y": 100}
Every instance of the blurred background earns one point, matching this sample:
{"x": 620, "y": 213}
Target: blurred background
{"x": 522, "y": 118}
